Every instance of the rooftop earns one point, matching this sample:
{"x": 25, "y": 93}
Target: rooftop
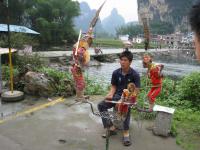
{"x": 16, "y": 28}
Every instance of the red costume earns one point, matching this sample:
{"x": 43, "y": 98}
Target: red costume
{"x": 156, "y": 80}
{"x": 129, "y": 97}
{"x": 78, "y": 77}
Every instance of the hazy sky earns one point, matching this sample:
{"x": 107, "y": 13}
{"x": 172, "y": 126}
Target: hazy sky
{"x": 126, "y": 8}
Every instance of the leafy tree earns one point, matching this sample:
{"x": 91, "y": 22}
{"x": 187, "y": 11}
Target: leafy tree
{"x": 131, "y": 30}
{"x": 155, "y": 28}
{"x": 17, "y": 10}
{"x": 54, "y": 20}
{"x": 161, "y": 28}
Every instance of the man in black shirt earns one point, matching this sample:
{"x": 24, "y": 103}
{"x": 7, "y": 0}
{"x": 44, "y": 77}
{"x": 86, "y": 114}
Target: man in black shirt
{"x": 119, "y": 81}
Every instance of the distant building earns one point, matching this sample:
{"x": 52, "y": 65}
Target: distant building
{"x": 124, "y": 37}
{"x": 173, "y": 40}
{"x": 126, "y": 41}
{"x": 138, "y": 40}
{"x": 188, "y": 41}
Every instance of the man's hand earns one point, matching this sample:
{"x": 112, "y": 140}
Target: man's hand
{"x": 112, "y": 91}
{"x": 109, "y": 97}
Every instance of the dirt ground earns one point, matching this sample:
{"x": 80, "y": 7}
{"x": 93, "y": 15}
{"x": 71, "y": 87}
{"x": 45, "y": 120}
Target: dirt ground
{"x": 69, "y": 128}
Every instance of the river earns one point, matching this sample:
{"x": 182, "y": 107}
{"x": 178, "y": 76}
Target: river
{"x": 175, "y": 70}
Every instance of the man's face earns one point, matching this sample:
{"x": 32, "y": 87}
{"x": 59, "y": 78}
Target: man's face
{"x": 197, "y": 46}
{"x": 125, "y": 63}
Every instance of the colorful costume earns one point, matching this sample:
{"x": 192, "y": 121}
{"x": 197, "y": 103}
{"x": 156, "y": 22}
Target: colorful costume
{"x": 154, "y": 73}
{"x": 78, "y": 77}
{"x": 128, "y": 95}
{"x": 81, "y": 56}
{"x": 156, "y": 80}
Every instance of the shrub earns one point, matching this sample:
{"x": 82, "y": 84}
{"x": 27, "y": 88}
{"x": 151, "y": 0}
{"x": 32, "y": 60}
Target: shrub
{"x": 189, "y": 88}
{"x": 64, "y": 84}
{"x": 18, "y": 40}
{"x": 95, "y": 88}
{"x": 34, "y": 62}
{"x": 6, "y": 72}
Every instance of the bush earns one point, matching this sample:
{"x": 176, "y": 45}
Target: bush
{"x": 18, "y": 40}
{"x": 34, "y": 62}
{"x": 64, "y": 84}
{"x": 189, "y": 88}
{"x": 95, "y": 88}
{"x": 55, "y": 74}
{"x": 6, "y": 73}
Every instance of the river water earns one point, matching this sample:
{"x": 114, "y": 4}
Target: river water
{"x": 104, "y": 72}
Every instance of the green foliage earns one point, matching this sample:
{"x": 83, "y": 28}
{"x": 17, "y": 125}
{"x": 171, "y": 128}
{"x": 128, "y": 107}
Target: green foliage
{"x": 21, "y": 62}
{"x": 155, "y": 28}
{"x": 94, "y": 87}
{"x": 108, "y": 43}
{"x": 18, "y": 40}
{"x": 17, "y": 11}
{"x": 190, "y": 88}
{"x": 174, "y": 131}
{"x": 161, "y": 28}
{"x": 3, "y": 41}
{"x": 63, "y": 80}
{"x": 56, "y": 75}
{"x": 131, "y": 29}
{"x": 6, "y": 72}
{"x": 54, "y": 20}
{"x": 141, "y": 45}
{"x": 185, "y": 125}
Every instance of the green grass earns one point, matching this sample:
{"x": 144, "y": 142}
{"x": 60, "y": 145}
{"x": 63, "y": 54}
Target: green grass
{"x": 115, "y": 43}
{"x": 186, "y": 119}
{"x": 187, "y": 128}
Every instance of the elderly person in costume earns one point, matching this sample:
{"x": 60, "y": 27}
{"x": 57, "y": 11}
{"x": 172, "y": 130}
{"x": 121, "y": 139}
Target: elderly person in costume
{"x": 155, "y": 75}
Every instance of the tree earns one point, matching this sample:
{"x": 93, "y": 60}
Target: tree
{"x": 161, "y": 28}
{"x": 155, "y": 28}
{"x": 17, "y": 10}
{"x": 54, "y": 20}
{"x": 131, "y": 29}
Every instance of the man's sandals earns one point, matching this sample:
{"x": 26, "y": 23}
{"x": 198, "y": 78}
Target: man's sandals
{"x": 126, "y": 141}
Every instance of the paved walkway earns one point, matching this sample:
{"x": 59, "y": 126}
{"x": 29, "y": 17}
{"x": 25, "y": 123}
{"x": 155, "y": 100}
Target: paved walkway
{"x": 60, "y": 127}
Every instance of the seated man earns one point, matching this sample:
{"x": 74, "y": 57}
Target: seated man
{"x": 120, "y": 80}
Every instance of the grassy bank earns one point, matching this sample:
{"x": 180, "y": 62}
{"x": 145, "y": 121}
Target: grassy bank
{"x": 116, "y": 43}
{"x": 184, "y": 96}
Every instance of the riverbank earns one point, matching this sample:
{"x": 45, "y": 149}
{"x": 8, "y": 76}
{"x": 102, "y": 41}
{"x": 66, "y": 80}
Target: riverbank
{"x": 183, "y": 95}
